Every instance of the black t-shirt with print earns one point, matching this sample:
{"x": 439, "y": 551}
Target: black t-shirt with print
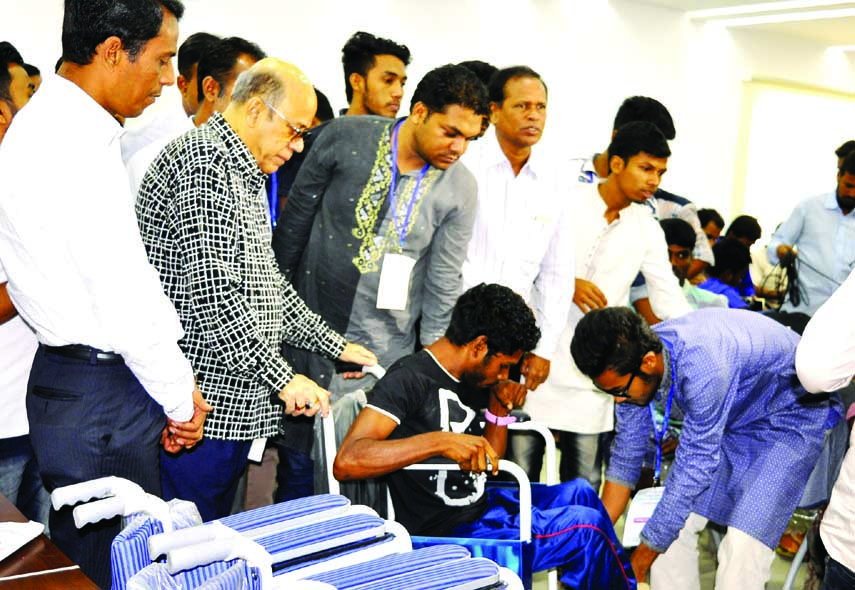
{"x": 422, "y": 397}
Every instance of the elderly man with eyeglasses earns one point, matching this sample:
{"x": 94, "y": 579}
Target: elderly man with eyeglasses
{"x": 751, "y": 435}
{"x": 204, "y": 221}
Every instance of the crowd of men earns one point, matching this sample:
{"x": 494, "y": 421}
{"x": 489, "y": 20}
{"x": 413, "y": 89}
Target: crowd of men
{"x": 174, "y": 297}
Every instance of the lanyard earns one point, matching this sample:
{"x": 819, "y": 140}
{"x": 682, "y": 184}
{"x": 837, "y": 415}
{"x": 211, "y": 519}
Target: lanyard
{"x": 401, "y": 229}
{"x": 273, "y": 198}
{"x": 660, "y": 434}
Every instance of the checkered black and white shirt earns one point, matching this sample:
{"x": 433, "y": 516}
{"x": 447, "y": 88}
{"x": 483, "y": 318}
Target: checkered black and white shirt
{"x": 203, "y": 218}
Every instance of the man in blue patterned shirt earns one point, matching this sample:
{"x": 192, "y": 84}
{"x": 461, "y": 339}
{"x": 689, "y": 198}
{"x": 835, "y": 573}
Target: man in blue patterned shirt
{"x": 751, "y": 434}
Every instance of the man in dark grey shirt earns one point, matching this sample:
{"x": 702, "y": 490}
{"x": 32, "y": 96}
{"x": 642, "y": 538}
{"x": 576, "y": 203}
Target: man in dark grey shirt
{"x": 375, "y": 229}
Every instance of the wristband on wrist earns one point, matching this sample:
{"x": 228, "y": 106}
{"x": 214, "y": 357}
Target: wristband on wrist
{"x": 498, "y": 420}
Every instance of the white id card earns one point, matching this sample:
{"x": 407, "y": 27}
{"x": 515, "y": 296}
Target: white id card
{"x": 394, "y": 288}
{"x": 640, "y": 511}
{"x": 256, "y": 451}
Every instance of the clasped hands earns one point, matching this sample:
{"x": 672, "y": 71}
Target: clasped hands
{"x": 185, "y": 435}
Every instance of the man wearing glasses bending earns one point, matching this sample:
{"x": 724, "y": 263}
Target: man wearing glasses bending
{"x": 204, "y": 222}
{"x": 751, "y": 435}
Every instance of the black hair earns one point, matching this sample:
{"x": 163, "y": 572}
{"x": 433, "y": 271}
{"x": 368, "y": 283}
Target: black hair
{"x": 499, "y": 80}
{"x": 730, "y": 254}
{"x": 359, "y": 53}
{"x": 846, "y": 148}
{"x": 746, "y": 227}
{"x": 707, "y": 215}
{"x": 325, "y": 111}
{"x": 613, "y": 338}
{"x": 499, "y": 314}
{"x": 848, "y": 164}
{"x": 57, "y": 65}
{"x": 678, "y": 232}
{"x": 88, "y": 23}
{"x": 482, "y": 69}
{"x": 636, "y": 137}
{"x": 449, "y": 85}
{"x": 32, "y": 70}
{"x": 644, "y": 108}
{"x": 220, "y": 59}
{"x": 8, "y": 56}
{"x": 192, "y": 50}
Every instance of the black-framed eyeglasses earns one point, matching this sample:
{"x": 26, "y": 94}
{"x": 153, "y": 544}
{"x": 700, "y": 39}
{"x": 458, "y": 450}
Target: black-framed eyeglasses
{"x": 298, "y": 132}
{"x": 623, "y": 392}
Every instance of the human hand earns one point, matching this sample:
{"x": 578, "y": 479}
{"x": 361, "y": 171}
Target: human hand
{"x": 786, "y": 253}
{"x": 470, "y": 452}
{"x": 535, "y": 369}
{"x": 587, "y": 296}
{"x": 304, "y": 397}
{"x": 509, "y": 393}
{"x": 358, "y": 355}
{"x": 641, "y": 560}
{"x": 185, "y": 435}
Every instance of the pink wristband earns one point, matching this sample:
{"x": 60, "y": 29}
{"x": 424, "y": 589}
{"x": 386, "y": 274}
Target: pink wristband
{"x": 498, "y": 420}
{"x": 851, "y": 413}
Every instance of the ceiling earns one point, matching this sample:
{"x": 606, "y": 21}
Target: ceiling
{"x": 826, "y": 22}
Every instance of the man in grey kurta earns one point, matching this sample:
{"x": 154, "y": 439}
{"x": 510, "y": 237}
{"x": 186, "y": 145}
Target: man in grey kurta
{"x": 373, "y": 188}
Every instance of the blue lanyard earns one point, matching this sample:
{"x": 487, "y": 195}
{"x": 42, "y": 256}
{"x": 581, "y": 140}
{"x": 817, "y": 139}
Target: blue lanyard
{"x": 273, "y": 198}
{"x": 660, "y": 434}
{"x": 402, "y": 228}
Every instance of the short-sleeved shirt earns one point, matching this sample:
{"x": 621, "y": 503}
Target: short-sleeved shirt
{"x": 421, "y": 397}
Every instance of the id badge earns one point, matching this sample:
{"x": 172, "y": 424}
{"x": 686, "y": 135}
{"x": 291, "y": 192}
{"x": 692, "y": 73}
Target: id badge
{"x": 640, "y": 511}
{"x": 256, "y": 450}
{"x": 394, "y": 288}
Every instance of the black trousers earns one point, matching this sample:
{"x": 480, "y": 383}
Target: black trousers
{"x": 89, "y": 421}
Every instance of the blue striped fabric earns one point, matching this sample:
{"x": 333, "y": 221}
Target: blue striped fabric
{"x": 129, "y": 550}
{"x": 240, "y": 576}
{"x": 309, "y": 507}
{"x": 284, "y": 567}
{"x": 339, "y": 531}
{"x": 391, "y": 565}
{"x": 468, "y": 574}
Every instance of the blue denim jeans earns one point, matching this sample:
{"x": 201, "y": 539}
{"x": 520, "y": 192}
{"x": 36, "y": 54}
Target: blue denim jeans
{"x": 20, "y": 481}
{"x": 837, "y": 576}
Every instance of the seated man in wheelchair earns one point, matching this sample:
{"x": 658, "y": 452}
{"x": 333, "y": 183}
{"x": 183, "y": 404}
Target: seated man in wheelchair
{"x": 425, "y": 407}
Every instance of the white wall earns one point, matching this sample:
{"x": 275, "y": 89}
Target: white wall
{"x": 592, "y": 53}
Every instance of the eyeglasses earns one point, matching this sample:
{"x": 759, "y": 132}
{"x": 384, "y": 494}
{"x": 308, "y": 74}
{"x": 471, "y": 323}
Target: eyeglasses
{"x": 623, "y": 392}
{"x": 298, "y": 132}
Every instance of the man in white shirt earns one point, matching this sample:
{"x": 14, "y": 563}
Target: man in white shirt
{"x": 522, "y": 236}
{"x": 664, "y": 205}
{"x": 108, "y": 366}
{"x": 825, "y": 361}
{"x": 616, "y": 237}
{"x": 20, "y": 481}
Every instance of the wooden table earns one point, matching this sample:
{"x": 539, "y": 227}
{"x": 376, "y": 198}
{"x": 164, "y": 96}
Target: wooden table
{"x": 38, "y": 565}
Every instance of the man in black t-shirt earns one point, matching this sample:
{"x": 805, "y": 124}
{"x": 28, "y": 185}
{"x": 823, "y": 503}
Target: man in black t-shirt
{"x": 425, "y": 408}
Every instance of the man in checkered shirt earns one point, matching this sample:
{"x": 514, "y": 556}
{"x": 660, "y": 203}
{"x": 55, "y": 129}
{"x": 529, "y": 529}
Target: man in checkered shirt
{"x": 204, "y": 222}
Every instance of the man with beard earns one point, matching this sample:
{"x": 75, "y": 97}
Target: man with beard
{"x": 616, "y": 237}
{"x": 820, "y": 233}
{"x": 751, "y": 435}
{"x": 425, "y": 407}
{"x": 375, "y": 230}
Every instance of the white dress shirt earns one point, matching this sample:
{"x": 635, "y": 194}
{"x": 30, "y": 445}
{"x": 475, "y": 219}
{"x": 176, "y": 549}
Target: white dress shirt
{"x": 142, "y": 158}
{"x": 825, "y": 361}
{"x": 610, "y": 255}
{"x": 17, "y": 348}
{"x": 523, "y": 237}
{"x": 69, "y": 241}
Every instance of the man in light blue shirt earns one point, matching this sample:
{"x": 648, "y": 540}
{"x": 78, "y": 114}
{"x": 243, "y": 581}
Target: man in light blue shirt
{"x": 821, "y": 234}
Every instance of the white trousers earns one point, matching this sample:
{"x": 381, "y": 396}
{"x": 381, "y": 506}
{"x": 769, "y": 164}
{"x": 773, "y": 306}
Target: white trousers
{"x": 744, "y": 563}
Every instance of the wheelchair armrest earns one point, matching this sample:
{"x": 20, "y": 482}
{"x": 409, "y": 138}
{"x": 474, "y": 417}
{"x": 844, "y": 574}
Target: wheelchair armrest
{"x": 506, "y": 466}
